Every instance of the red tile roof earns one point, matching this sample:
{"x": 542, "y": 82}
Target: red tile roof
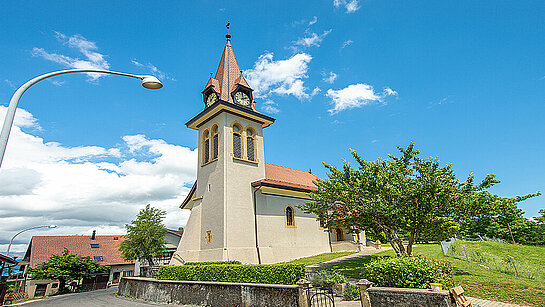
{"x": 43, "y": 247}
{"x": 286, "y": 177}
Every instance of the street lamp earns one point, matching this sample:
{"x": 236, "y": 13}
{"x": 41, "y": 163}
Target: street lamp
{"x": 20, "y": 232}
{"x": 149, "y": 82}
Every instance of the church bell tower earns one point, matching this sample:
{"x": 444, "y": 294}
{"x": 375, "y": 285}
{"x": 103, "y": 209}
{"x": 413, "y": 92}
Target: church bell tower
{"x": 222, "y": 222}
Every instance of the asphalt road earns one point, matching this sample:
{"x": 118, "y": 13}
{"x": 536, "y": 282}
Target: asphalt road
{"x": 98, "y": 298}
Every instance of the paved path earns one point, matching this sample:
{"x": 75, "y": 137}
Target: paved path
{"x": 365, "y": 252}
{"x": 486, "y": 303}
{"x": 97, "y": 298}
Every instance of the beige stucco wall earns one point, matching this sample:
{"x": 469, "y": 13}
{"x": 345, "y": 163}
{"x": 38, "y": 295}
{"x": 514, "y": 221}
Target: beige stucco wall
{"x": 30, "y": 287}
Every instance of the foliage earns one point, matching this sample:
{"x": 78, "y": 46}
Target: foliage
{"x": 67, "y": 267}
{"x": 145, "y": 237}
{"x": 401, "y": 194}
{"x": 408, "y": 272}
{"x": 327, "y": 278}
{"x": 476, "y": 280}
{"x": 500, "y": 262}
{"x": 320, "y": 258}
{"x": 351, "y": 293}
{"x": 287, "y": 274}
{"x": 506, "y": 220}
{"x": 213, "y": 262}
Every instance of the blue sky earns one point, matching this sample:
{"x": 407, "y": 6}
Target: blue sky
{"x": 464, "y": 80}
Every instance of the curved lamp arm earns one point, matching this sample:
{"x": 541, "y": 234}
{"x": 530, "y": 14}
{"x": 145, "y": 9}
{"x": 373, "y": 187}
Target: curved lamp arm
{"x": 20, "y": 232}
{"x": 149, "y": 82}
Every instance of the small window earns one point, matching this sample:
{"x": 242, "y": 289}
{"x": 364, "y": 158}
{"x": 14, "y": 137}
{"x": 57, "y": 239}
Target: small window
{"x": 206, "y": 147}
{"x": 98, "y": 258}
{"x": 208, "y": 237}
{"x": 290, "y": 216}
{"x": 95, "y": 245}
{"x": 54, "y": 285}
{"x": 116, "y": 238}
{"x": 128, "y": 273}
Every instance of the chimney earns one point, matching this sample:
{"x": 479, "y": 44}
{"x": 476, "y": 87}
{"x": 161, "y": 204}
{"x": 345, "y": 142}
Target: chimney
{"x": 93, "y": 235}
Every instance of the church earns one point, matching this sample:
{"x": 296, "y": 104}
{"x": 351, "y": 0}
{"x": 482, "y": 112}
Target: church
{"x": 241, "y": 207}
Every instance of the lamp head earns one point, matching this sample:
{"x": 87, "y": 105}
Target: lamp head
{"x": 152, "y": 83}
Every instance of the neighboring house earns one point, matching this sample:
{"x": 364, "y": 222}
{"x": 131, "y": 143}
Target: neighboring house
{"x": 104, "y": 249}
{"x": 173, "y": 239}
{"x": 241, "y": 207}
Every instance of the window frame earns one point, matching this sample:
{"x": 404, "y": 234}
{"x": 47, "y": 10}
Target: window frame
{"x": 293, "y": 224}
{"x": 241, "y": 134}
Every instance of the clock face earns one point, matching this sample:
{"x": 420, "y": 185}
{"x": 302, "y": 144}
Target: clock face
{"x": 242, "y": 98}
{"x": 212, "y": 97}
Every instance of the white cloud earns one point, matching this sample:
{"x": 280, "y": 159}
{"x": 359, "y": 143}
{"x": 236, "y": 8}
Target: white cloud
{"x": 350, "y": 5}
{"x": 9, "y": 83}
{"x": 355, "y": 96}
{"x": 347, "y": 43}
{"x": 270, "y": 107}
{"x": 311, "y": 39}
{"x": 154, "y": 70}
{"x": 329, "y": 78}
{"x": 282, "y": 77}
{"x": 313, "y": 21}
{"x": 88, "y": 187}
{"x": 92, "y": 60}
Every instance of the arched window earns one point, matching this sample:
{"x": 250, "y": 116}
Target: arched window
{"x": 290, "y": 216}
{"x": 215, "y": 142}
{"x": 206, "y": 147}
{"x": 237, "y": 141}
{"x": 250, "y": 144}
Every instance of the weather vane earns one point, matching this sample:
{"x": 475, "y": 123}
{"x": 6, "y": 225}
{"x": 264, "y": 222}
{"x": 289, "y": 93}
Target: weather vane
{"x": 228, "y": 36}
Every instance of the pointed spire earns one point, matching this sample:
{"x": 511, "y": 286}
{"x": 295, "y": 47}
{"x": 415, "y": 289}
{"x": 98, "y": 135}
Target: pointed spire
{"x": 228, "y": 76}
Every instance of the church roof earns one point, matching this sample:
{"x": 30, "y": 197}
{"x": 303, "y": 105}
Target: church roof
{"x": 228, "y": 75}
{"x": 285, "y": 177}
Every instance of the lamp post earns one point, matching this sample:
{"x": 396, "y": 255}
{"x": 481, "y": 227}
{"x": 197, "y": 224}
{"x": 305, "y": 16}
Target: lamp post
{"x": 149, "y": 82}
{"x": 20, "y": 232}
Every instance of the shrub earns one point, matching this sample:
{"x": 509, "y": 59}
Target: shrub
{"x": 213, "y": 262}
{"x": 287, "y": 274}
{"x": 409, "y": 272}
{"x": 351, "y": 292}
{"x": 327, "y": 278}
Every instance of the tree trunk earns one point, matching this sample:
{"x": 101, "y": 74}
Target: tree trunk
{"x": 412, "y": 239}
{"x": 150, "y": 261}
{"x": 395, "y": 241}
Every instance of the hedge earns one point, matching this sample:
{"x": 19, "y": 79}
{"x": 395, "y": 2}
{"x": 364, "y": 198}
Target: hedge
{"x": 287, "y": 274}
{"x": 408, "y": 272}
{"x": 213, "y": 262}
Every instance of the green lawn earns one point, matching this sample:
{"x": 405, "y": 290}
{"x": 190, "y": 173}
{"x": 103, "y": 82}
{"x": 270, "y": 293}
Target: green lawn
{"x": 476, "y": 280}
{"x": 320, "y": 258}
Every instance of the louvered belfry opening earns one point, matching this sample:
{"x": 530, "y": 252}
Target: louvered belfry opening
{"x": 250, "y": 148}
{"x": 215, "y": 144}
{"x": 237, "y": 145}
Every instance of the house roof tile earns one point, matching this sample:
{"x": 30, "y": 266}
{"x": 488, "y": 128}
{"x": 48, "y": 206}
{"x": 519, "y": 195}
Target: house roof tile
{"x": 43, "y": 247}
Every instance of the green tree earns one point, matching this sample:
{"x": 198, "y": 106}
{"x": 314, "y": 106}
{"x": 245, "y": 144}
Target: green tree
{"x": 67, "y": 267}
{"x": 145, "y": 236}
{"x": 403, "y": 194}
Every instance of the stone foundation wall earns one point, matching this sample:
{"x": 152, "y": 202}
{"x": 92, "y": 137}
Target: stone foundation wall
{"x": 402, "y": 297}
{"x": 204, "y": 293}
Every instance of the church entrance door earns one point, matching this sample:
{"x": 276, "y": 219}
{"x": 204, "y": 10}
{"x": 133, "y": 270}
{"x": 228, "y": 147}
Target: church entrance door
{"x": 339, "y": 234}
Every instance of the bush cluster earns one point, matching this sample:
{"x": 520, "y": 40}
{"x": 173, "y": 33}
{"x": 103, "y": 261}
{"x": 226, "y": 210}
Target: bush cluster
{"x": 213, "y": 262}
{"x": 326, "y": 278}
{"x": 409, "y": 272}
{"x": 287, "y": 274}
{"x": 351, "y": 293}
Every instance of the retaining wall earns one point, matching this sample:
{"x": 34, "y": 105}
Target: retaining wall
{"x": 203, "y": 293}
{"x": 402, "y": 297}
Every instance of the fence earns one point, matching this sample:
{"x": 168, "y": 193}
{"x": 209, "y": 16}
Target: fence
{"x": 508, "y": 264}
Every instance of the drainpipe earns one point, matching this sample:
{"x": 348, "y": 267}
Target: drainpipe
{"x": 255, "y": 223}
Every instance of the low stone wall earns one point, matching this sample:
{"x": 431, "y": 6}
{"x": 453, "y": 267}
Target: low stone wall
{"x": 402, "y": 297}
{"x": 203, "y": 293}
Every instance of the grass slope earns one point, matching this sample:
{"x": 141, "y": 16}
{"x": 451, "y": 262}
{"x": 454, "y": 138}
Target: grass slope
{"x": 477, "y": 281}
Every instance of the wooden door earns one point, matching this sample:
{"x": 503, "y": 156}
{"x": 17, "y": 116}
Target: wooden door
{"x": 40, "y": 290}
